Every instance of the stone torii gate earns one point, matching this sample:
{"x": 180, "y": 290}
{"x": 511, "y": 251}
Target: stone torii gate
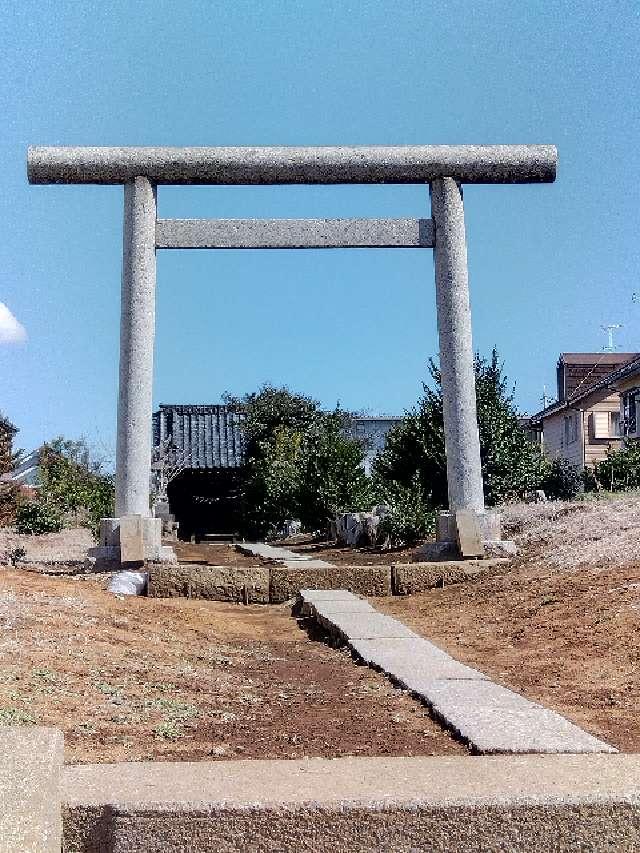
{"x": 443, "y": 167}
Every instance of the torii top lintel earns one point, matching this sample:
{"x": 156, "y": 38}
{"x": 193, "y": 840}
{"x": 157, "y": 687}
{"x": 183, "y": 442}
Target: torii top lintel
{"x": 408, "y": 164}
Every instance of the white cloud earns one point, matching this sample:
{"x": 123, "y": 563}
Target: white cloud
{"x": 11, "y": 331}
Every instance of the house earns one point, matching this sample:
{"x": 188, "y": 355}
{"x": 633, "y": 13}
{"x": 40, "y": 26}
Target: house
{"x": 372, "y": 431}
{"x": 626, "y": 381}
{"x": 27, "y": 471}
{"x": 586, "y": 420}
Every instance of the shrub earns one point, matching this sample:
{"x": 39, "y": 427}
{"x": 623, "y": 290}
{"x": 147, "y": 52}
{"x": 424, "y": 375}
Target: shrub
{"x": 409, "y": 520}
{"x": 300, "y": 463}
{"x": 620, "y": 470}
{"x": 38, "y": 517}
{"x": 73, "y": 486}
{"x": 332, "y": 477}
{"x": 562, "y": 480}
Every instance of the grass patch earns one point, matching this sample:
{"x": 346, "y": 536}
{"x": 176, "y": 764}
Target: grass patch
{"x": 169, "y": 730}
{"x": 16, "y": 717}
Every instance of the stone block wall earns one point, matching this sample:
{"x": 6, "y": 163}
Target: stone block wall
{"x": 216, "y": 583}
{"x": 411, "y": 578}
{"x": 363, "y": 580}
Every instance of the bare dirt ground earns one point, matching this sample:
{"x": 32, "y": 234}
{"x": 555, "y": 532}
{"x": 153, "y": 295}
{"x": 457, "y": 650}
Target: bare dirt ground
{"x": 142, "y": 679}
{"x": 562, "y": 623}
{"x": 213, "y": 554}
{"x": 171, "y": 679}
{"x": 333, "y": 553}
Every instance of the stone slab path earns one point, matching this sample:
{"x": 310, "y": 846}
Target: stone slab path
{"x": 289, "y": 558}
{"x": 489, "y": 717}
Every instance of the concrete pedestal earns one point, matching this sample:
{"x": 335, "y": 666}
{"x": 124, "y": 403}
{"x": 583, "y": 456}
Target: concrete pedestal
{"x": 107, "y": 555}
{"x": 445, "y": 547}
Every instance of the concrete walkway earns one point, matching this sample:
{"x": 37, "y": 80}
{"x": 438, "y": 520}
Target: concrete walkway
{"x": 290, "y": 558}
{"x": 489, "y": 717}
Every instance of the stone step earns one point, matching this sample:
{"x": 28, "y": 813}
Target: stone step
{"x": 354, "y": 624}
{"x": 412, "y": 661}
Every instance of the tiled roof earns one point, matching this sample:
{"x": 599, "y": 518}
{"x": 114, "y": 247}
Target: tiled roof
{"x": 210, "y": 436}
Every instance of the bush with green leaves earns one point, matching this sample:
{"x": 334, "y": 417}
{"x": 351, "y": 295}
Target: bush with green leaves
{"x": 79, "y": 490}
{"x": 409, "y": 519}
{"x": 301, "y": 464}
{"x": 562, "y": 480}
{"x": 37, "y": 517}
{"x": 271, "y": 487}
{"x": 620, "y": 470}
{"x": 511, "y": 464}
{"x": 332, "y": 477}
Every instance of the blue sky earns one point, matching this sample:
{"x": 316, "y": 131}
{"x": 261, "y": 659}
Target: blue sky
{"x": 548, "y": 264}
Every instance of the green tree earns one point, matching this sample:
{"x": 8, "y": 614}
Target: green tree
{"x": 73, "y": 485}
{"x": 9, "y": 492}
{"x": 272, "y": 485}
{"x": 300, "y": 462}
{"x": 268, "y": 410}
{"x": 415, "y": 450}
{"x": 332, "y": 472}
{"x": 7, "y": 432}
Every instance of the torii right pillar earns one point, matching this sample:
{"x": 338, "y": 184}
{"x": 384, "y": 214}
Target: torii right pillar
{"x": 462, "y": 442}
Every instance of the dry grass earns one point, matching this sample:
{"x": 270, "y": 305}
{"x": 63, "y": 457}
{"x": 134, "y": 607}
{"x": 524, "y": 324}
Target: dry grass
{"x": 567, "y": 535}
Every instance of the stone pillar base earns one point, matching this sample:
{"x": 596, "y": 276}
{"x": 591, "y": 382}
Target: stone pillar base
{"x": 446, "y": 547}
{"x": 107, "y": 556}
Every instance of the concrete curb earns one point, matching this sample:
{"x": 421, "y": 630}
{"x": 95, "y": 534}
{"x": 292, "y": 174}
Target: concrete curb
{"x": 516, "y": 803}
{"x": 30, "y": 789}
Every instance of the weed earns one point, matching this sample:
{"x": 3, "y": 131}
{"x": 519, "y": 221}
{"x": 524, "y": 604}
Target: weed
{"x": 44, "y": 675}
{"x": 16, "y": 717}
{"x": 169, "y": 730}
{"x": 174, "y": 708}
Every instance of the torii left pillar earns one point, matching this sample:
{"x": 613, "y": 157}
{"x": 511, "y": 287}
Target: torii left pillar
{"x": 135, "y": 396}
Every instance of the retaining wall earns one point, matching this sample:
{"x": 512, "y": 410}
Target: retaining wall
{"x": 216, "y": 583}
{"x": 276, "y": 584}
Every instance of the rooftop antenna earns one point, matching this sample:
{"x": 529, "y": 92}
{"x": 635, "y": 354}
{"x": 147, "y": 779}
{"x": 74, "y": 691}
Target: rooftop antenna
{"x": 544, "y": 398}
{"x": 609, "y": 329}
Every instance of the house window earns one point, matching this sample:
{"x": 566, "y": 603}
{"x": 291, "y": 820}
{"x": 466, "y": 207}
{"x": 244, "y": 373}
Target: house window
{"x": 629, "y": 412}
{"x": 570, "y": 429}
{"x": 614, "y": 424}
{"x": 601, "y": 424}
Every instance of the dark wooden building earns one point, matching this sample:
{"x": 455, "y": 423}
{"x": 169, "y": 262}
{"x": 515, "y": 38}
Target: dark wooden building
{"x": 208, "y": 440}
